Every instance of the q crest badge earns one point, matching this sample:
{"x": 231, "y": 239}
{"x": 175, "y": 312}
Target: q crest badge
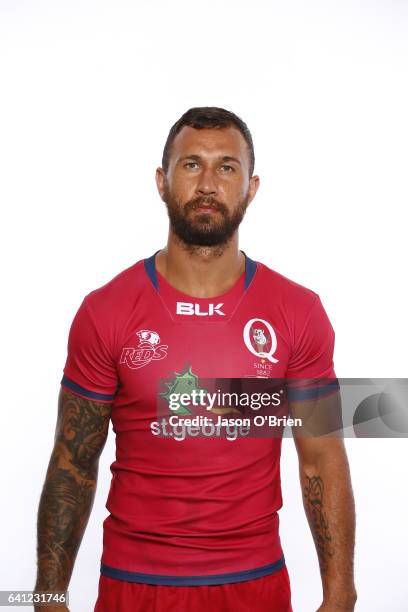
{"x": 260, "y": 340}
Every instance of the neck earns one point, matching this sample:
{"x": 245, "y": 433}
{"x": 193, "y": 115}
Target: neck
{"x": 201, "y": 271}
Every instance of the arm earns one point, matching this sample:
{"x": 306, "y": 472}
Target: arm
{"x": 69, "y": 489}
{"x": 329, "y": 506}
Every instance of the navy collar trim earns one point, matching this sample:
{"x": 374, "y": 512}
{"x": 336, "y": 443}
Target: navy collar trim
{"x": 150, "y": 267}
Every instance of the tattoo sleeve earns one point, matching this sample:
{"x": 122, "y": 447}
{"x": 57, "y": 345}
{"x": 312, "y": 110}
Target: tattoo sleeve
{"x": 329, "y": 506}
{"x": 318, "y": 520}
{"x": 69, "y": 489}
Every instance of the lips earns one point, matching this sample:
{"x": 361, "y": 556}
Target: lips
{"x": 205, "y": 209}
{"x": 206, "y": 206}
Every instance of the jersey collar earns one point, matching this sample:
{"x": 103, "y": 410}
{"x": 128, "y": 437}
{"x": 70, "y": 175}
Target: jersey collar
{"x": 150, "y": 267}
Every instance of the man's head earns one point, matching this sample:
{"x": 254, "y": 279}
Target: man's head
{"x": 206, "y": 179}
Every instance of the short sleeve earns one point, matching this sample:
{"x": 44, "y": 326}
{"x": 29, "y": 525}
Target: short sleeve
{"x": 312, "y": 356}
{"x": 89, "y": 369}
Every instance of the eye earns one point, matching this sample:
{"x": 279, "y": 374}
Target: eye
{"x": 191, "y": 165}
{"x": 227, "y": 169}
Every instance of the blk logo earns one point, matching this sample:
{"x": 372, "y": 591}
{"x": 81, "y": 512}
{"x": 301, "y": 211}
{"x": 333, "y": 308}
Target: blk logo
{"x": 189, "y": 309}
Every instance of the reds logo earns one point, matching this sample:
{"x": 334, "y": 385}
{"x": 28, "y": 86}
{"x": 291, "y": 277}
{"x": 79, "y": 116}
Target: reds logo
{"x": 148, "y": 349}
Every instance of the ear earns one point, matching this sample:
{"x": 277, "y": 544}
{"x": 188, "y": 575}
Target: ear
{"x": 160, "y": 181}
{"x": 253, "y": 187}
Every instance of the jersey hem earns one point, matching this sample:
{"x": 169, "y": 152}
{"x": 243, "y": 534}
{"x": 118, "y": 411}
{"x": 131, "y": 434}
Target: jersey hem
{"x": 157, "y": 579}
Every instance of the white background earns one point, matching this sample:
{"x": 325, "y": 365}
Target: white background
{"x": 89, "y": 90}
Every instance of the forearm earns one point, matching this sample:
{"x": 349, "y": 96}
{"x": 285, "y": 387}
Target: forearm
{"x": 64, "y": 509}
{"x": 329, "y": 506}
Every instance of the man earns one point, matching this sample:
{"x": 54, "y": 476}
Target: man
{"x": 193, "y": 523}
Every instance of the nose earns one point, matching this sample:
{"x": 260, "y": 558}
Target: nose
{"x": 207, "y": 184}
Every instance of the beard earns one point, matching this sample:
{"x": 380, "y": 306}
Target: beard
{"x": 205, "y": 229}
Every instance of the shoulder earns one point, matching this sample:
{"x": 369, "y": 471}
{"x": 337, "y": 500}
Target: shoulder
{"x": 301, "y": 312}
{"x": 119, "y": 294}
{"x": 283, "y": 290}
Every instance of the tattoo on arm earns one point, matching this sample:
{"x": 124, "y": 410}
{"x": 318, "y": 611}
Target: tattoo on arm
{"x": 313, "y": 497}
{"x": 69, "y": 488}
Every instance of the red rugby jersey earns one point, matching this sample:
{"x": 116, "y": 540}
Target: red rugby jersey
{"x": 201, "y": 510}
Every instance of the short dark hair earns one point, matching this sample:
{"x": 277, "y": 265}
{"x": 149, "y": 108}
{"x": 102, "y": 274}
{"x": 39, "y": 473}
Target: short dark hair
{"x": 202, "y": 117}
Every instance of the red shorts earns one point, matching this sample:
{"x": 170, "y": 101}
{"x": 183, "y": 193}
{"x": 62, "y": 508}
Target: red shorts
{"x": 268, "y": 594}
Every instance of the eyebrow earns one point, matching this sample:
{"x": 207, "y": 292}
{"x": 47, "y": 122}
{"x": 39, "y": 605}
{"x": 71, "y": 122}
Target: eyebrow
{"x": 223, "y": 158}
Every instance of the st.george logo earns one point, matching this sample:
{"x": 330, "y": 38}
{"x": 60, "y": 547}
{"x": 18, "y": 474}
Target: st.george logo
{"x": 149, "y": 349}
{"x": 260, "y": 339}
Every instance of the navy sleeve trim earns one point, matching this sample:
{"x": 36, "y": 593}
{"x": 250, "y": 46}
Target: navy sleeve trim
{"x": 313, "y": 392}
{"x": 258, "y": 572}
{"x": 67, "y": 382}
